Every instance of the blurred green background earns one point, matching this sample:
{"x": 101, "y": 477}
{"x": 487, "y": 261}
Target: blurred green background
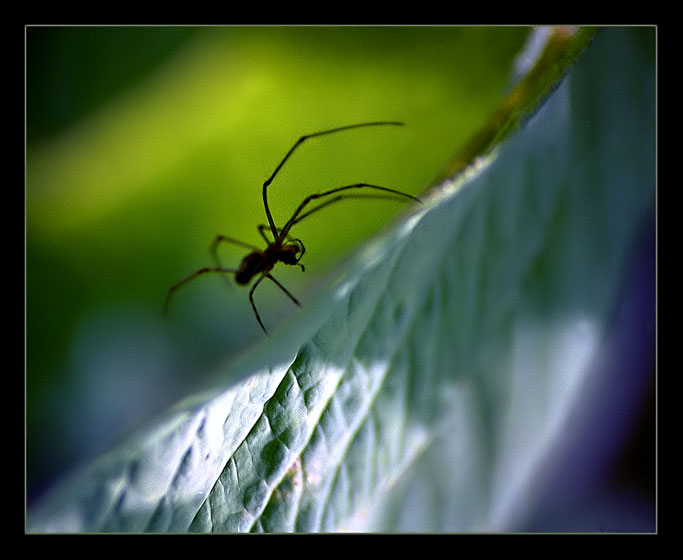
{"x": 144, "y": 143}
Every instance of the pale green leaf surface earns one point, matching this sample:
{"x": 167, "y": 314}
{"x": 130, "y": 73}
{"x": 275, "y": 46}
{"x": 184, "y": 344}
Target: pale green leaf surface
{"x": 451, "y": 351}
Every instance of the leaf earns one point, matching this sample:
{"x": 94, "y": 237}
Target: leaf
{"x": 448, "y": 357}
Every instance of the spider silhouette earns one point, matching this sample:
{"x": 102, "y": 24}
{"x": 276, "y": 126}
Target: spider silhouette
{"x": 284, "y": 248}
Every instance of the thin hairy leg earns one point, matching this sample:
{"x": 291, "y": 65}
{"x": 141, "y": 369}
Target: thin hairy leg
{"x": 269, "y": 216}
{"x": 200, "y": 272}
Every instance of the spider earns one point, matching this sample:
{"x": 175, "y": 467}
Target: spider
{"x": 284, "y": 248}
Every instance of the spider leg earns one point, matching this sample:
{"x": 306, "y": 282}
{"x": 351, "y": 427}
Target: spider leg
{"x": 268, "y": 275}
{"x": 298, "y": 216}
{"x": 225, "y": 239}
{"x": 342, "y": 197}
{"x": 303, "y": 250}
{"x": 192, "y": 276}
{"x": 253, "y": 305}
{"x": 271, "y": 222}
{"x": 262, "y": 230}
{"x": 251, "y": 296}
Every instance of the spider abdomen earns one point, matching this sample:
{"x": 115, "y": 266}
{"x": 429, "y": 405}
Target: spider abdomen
{"x": 250, "y": 266}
